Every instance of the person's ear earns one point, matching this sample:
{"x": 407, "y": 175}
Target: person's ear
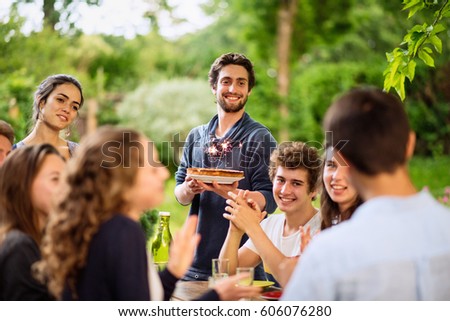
{"x": 411, "y": 144}
{"x": 41, "y": 103}
{"x": 314, "y": 194}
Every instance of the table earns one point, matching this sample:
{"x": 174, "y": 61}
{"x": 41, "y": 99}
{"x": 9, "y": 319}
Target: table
{"x": 190, "y": 290}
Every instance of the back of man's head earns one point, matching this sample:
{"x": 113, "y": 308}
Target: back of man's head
{"x": 370, "y": 128}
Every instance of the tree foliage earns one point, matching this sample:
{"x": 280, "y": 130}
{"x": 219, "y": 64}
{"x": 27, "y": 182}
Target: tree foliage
{"x": 53, "y": 16}
{"x": 58, "y": 14}
{"x": 160, "y": 86}
{"x": 167, "y": 111}
{"x": 421, "y": 42}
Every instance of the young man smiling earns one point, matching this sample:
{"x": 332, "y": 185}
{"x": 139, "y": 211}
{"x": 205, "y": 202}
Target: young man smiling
{"x": 231, "y": 140}
{"x": 294, "y": 171}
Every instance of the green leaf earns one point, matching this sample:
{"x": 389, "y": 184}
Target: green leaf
{"x": 387, "y": 79}
{"x": 426, "y": 58}
{"x": 420, "y": 41}
{"x": 418, "y": 28}
{"x": 389, "y": 56}
{"x": 427, "y": 49}
{"x": 415, "y": 8}
{"x": 387, "y": 84}
{"x": 400, "y": 87}
{"x": 394, "y": 68}
{"x": 410, "y": 3}
{"x": 415, "y": 45}
{"x": 386, "y": 71}
{"x": 438, "y": 28}
{"x": 410, "y": 70}
{"x": 436, "y": 42}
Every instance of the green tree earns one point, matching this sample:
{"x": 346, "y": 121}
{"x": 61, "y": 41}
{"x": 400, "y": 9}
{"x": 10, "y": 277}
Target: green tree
{"x": 53, "y": 16}
{"x": 425, "y": 45}
{"x": 167, "y": 111}
{"x": 276, "y": 35}
{"x": 24, "y": 63}
{"x": 334, "y": 64}
{"x": 58, "y": 11}
{"x": 421, "y": 42}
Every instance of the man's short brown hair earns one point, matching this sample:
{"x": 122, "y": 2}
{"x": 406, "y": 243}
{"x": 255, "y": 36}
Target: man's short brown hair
{"x": 297, "y": 155}
{"x": 231, "y": 59}
{"x": 370, "y": 128}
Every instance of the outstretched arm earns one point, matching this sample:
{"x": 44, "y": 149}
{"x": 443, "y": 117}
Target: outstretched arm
{"x": 237, "y": 256}
{"x": 230, "y": 247}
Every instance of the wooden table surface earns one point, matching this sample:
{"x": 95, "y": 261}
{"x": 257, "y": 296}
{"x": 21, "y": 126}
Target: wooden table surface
{"x": 190, "y": 290}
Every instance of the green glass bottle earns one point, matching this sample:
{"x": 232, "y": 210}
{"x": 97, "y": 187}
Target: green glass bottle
{"x": 161, "y": 244}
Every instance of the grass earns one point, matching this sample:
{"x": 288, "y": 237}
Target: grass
{"x": 431, "y": 173}
{"x": 425, "y": 172}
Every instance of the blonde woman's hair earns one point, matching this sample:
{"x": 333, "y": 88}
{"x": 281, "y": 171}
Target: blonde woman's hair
{"x": 103, "y": 168}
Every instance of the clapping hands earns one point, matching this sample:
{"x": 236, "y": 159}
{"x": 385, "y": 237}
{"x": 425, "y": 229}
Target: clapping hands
{"x": 243, "y": 212}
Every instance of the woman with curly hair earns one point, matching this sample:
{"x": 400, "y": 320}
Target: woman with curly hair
{"x": 94, "y": 247}
{"x": 28, "y": 179}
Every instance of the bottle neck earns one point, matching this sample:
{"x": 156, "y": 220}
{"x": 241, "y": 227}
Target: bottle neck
{"x": 164, "y": 228}
{"x": 164, "y": 220}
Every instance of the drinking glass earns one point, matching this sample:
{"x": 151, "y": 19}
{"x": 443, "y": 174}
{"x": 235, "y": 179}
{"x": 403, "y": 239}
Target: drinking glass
{"x": 247, "y": 281}
{"x": 220, "y": 268}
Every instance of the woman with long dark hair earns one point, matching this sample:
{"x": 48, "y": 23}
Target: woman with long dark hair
{"x": 56, "y": 104}
{"x": 339, "y": 198}
{"x": 28, "y": 179}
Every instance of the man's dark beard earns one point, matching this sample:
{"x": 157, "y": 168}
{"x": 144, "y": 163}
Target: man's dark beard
{"x": 227, "y": 109}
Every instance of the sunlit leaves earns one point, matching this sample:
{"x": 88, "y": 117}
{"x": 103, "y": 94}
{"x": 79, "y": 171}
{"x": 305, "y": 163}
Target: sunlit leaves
{"x": 425, "y": 56}
{"x": 413, "y": 6}
{"x": 421, "y": 42}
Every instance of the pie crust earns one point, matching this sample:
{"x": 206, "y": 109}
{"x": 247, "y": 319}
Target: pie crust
{"x": 215, "y": 172}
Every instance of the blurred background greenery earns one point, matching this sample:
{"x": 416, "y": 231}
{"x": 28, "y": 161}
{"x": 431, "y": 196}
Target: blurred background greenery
{"x": 305, "y": 54}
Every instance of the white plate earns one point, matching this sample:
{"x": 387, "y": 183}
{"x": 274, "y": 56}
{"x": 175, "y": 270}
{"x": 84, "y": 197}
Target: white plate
{"x": 218, "y": 179}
